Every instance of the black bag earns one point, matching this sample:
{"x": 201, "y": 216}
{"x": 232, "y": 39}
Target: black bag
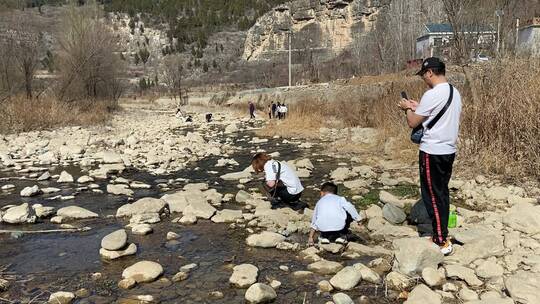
{"x": 418, "y": 132}
{"x": 420, "y": 218}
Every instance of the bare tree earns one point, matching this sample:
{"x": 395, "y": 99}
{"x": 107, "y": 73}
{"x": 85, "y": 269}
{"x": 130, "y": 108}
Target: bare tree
{"x": 173, "y": 74}
{"x": 89, "y": 67}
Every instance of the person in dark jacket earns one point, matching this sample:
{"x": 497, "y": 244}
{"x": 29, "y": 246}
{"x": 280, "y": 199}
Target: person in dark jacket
{"x": 251, "y": 110}
{"x": 274, "y": 108}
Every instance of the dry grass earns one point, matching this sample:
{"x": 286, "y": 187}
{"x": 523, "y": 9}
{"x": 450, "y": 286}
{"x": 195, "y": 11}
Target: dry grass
{"x": 21, "y": 115}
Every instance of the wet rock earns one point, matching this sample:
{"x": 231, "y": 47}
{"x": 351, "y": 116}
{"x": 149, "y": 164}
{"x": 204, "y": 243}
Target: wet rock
{"x": 189, "y": 267}
{"x": 172, "y": 236}
{"x": 523, "y": 287}
{"x": 244, "y": 275}
{"x": 127, "y": 283}
{"x": 17, "y": 215}
{"x": 144, "y": 205}
{"x": 115, "y": 240}
{"x": 414, "y": 254}
{"x": 227, "y": 216}
{"x": 57, "y": 219}
{"x": 43, "y": 177}
{"x": 393, "y": 214}
{"x": 82, "y": 293}
{"x": 265, "y": 239}
{"x": 341, "y": 298}
{"x": 368, "y": 274}
{"x": 75, "y": 212}
{"x": 463, "y": 273}
{"x": 84, "y": 179}
{"x": 30, "y": 191}
{"x": 346, "y": 279}
{"x": 41, "y": 211}
{"x": 65, "y": 177}
{"x": 325, "y": 267}
{"x": 145, "y": 218}
{"x": 188, "y": 220}
{"x": 180, "y": 276}
{"x": 8, "y": 187}
{"x": 61, "y": 297}
{"x": 144, "y": 271}
{"x": 201, "y": 210}
{"x": 50, "y": 190}
{"x": 421, "y": 294}
{"x": 275, "y": 284}
{"x": 141, "y": 229}
{"x": 139, "y": 185}
{"x": 432, "y": 277}
{"x": 260, "y": 293}
{"x": 119, "y": 189}
{"x": 398, "y": 281}
{"x": 4, "y": 285}
{"x": 524, "y": 218}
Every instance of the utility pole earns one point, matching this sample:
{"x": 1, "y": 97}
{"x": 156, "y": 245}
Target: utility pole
{"x": 499, "y": 14}
{"x": 517, "y": 37}
{"x": 290, "y": 58}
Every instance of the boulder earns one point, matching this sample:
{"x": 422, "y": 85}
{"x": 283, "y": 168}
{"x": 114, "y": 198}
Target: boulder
{"x": 244, "y": 275}
{"x": 393, "y": 214}
{"x": 346, "y": 279}
{"x": 325, "y": 267}
{"x": 265, "y": 239}
{"x": 30, "y": 191}
{"x": 524, "y": 287}
{"x": 115, "y": 254}
{"x": 368, "y": 274}
{"x": 414, "y": 254}
{"x": 65, "y": 177}
{"x": 61, "y": 297}
{"x": 421, "y": 294}
{"x": 144, "y": 271}
{"x": 115, "y": 240}
{"x": 17, "y": 215}
{"x": 144, "y": 205}
{"x": 260, "y": 293}
{"x": 75, "y": 212}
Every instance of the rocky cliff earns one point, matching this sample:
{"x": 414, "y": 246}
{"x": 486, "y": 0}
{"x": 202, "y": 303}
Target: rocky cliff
{"x": 323, "y": 26}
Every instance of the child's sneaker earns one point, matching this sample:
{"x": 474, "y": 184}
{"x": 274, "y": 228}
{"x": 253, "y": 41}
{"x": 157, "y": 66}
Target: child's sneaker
{"x": 447, "y": 248}
{"x": 341, "y": 241}
{"x": 324, "y": 240}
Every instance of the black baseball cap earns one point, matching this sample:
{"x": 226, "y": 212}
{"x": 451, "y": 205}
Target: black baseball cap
{"x": 430, "y": 63}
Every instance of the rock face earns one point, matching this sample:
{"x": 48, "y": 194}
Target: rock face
{"x": 17, "y": 214}
{"x": 144, "y": 271}
{"x": 244, "y": 275}
{"x": 142, "y": 206}
{"x": 415, "y": 254}
{"x": 260, "y": 293}
{"x": 524, "y": 286}
{"x": 115, "y": 240}
{"x": 265, "y": 239}
{"x": 75, "y": 212}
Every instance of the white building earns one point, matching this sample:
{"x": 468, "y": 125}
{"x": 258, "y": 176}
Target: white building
{"x": 529, "y": 38}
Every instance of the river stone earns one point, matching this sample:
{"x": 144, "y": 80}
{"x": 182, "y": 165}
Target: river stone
{"x": 341, "y": 298}
{"x": 244, "y": 275}
{"x": 43, "y": 177}
{"x": 65, "y": 178}
{"x": 332, "y": 247}
{"x": 393, "y": 214}
{"x": 113, "y": 255}
{"x": 466, "y": 294}
{"x": 75, "y": 212}
{"x": 144, "y": 271}
{"x": 4, "y": 285}
{"x": 432, "y": 277}
{"x": 325, "y": 267}
{"x": 341, "y": 174}
{"x": 172, "y": 236}
{"x": 141, "y": 229}
{"x": 177, "y": 201}
{"x": 227, "y": 216}
{"x": 421, "y": 294}
{"x": 368, "y": 274}
{"x": 463, "y": 273}
{"x": 61, "y": 297}
{"x": 265, "y": 239}
{"x": 201, "y": 209}
{"x": 325, "y": 286}
{"x": 115, "y": 240}
{"x": 523, "y": 287}
{"x": 145, "y": 218}
{"x": 243, "y": 196}
{"x": 492, "y": 301}
{"x": 368, "y": 250}
{"x": 414, "y": 254}
{"x": 30, "y": 191}
{"x": 398, "y": 281}
{"x": 110, "y": 157}
{"x": 119, "y": 189}
{"x": 41, "y": 211}
{"x": 346, "y": 279}
{"x": 144, "y": 205}
{"x": 17, "y": 215}
{"x": 524, "y": 218}
{"x": 127, "y": 283}
{"x": 188, "y": 219}
{"x": 180, "y": 276}
{"x": 260, "y": 293}
{"x": 84, "y": 179}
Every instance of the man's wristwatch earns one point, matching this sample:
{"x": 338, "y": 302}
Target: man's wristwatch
{"x": 407, "y": 110}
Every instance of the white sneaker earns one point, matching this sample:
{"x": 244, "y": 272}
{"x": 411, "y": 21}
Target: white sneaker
{"x": 341, "y": 241}
{"x": 324, "y": 240}
{"x": 447, "y": 248}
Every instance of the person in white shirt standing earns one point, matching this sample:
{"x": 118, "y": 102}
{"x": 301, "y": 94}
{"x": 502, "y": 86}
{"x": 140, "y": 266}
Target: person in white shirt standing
{"x": 281, "y": 182}
{"x": 437, "y": 145}
{"x": 332, "y": 216}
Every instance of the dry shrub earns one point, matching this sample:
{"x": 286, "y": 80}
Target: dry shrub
{"x": 20, "y": 114}
{"x": 501, "y": 129}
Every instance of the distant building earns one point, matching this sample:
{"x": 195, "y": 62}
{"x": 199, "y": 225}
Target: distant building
{"x": 529, "y": 38}
{"x": 435, "y": 42}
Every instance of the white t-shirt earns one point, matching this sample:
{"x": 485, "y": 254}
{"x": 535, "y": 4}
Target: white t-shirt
{"x": 331, "y": 212}
{"x": 441, "y": 139}
{"x": 287, "y": 176}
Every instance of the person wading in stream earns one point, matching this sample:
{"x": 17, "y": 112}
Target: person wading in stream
{"x": 332, "y": 216}
{"x": 437, "y": 115}
{"x": 282, "y": 185}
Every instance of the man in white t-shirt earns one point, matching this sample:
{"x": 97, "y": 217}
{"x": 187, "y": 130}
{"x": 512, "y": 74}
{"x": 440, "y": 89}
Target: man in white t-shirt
{"x": 281, "y": 182}
{"x": 332, "y": 216}
{"x": 438, "y": 144}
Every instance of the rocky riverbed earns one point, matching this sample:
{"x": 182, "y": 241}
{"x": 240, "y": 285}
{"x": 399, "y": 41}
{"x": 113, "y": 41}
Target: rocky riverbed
{"x": 150, "y": 209}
